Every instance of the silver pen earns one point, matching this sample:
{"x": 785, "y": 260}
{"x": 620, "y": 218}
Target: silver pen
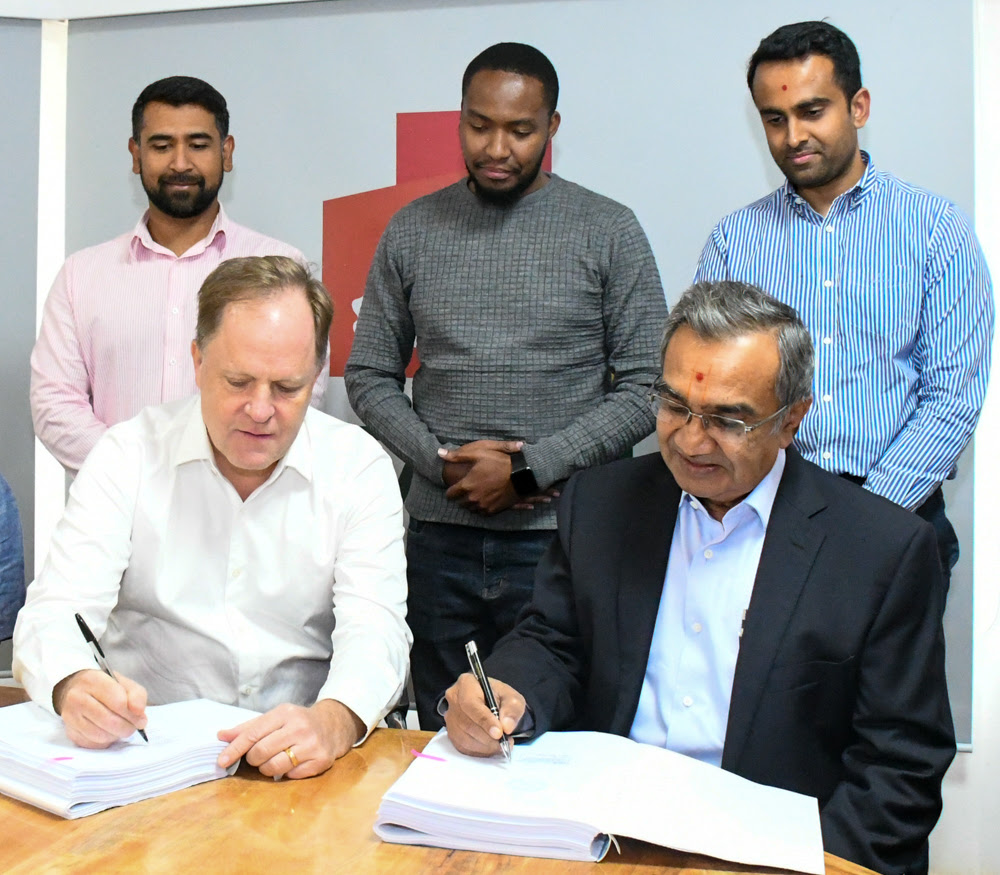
{"x": 491, "y": 701}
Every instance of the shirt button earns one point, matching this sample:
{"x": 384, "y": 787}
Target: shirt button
{"x": 173, "y": 361}
{"x": 237, "y": 572}
{"x": 828, "y": 284}
{"x": 829, "y": 229}
{"x": 246, "y": 689}
{"x": 175, "y": 311}
{"x": 828, "y": 455}
{"x": 696, "y": 627}
{"x": 828, "y": 398}
{"x": 827, "y": 340}
{"x": 709, "y": 554}
{"x": 687, "y": 701}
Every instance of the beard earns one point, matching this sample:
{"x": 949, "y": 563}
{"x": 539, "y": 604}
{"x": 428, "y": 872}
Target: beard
{"x": 181, "y": 204}
{"x": 508, "y": 196}
{"x": 828, "y": 169}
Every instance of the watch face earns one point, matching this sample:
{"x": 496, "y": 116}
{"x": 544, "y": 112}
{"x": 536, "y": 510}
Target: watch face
{"x": 524, "y": 481}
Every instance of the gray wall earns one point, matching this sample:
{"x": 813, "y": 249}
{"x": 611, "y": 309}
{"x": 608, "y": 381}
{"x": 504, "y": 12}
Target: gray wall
{"x": 655, "y": 112}
{"x": 20, "y": 59}
{"x": 654, "y": 105}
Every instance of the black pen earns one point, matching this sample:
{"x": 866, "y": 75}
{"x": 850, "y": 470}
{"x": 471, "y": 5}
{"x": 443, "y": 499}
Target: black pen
{"x": 102, "y": 661}
{"x": 491, "y": 702}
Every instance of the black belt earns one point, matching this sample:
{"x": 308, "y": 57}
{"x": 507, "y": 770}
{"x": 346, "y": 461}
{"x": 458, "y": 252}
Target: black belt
{"x": 854, "y": 478}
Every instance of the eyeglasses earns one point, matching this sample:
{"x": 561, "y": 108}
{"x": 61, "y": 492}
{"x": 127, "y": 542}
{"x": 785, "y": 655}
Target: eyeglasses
{"x": 717, "y": 426}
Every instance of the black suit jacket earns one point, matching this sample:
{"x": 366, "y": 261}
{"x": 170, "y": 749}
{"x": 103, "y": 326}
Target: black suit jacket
{"x": 839, "y": 689}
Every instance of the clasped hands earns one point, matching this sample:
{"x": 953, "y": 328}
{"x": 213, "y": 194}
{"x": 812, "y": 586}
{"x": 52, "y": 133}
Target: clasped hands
{"x": 97, "y": 712}
{"x": 478, "y": 478}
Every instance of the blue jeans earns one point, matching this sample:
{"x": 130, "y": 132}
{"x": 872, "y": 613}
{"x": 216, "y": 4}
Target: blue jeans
{"x": 464, "y": 584}
{"x": 11, "y": 561}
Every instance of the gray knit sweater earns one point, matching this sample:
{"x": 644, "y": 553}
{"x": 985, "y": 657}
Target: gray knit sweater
{"x": 538, "y": 322}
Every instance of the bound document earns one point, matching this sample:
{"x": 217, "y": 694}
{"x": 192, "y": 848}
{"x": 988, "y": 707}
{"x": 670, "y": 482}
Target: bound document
{"x": 567, "y": 794}
{"x": 41, "y": 766}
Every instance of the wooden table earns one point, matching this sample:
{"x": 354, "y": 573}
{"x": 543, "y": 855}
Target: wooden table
{"x": 249, "y": 824}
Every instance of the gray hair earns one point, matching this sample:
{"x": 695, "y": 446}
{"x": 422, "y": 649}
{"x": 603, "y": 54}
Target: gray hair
{"x": 256, "y": 277}
{"x": 721, "y": 310}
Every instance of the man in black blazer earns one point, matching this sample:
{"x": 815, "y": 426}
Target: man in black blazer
{"x": 835, "y": 681}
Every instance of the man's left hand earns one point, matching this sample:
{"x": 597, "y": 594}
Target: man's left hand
{"x": 486, "y": 488}
{"x": 316, "y": 737}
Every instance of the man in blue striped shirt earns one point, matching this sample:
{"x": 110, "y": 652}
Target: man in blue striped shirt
{"x": 889, "y": 279}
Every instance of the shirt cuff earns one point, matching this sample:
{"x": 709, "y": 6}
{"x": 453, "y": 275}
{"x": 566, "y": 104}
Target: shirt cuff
{"x": 363, "y": 698}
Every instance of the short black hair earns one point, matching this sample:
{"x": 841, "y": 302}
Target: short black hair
{"x": 793, "y": 42}
{"x": 181, "y": 91}
{"x": 517, "y": 58}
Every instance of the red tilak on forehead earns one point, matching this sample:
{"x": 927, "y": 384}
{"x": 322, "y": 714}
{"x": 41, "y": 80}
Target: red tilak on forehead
{"x": 784, "y": 87}
{"x": 699, "y": 376}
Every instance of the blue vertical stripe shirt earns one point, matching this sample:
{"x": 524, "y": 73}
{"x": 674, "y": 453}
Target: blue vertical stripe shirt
{"x": 895, "y": 291}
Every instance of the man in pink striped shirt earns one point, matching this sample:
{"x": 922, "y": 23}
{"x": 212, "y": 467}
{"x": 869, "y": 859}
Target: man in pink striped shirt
{"x": 119, "y": 320}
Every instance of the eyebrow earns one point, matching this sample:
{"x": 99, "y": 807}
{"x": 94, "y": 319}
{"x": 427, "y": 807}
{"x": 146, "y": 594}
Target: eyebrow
{"x": 512, "y": 123}
{"x": 718, "y": 409}
{"x": 166, "y": 138}
{"x": 808, "y": 103}
{"x": 297, "y": 381}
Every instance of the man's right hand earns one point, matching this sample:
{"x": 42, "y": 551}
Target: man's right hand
{"x": 98, "y": 711}
{"x": 472, "y": 728}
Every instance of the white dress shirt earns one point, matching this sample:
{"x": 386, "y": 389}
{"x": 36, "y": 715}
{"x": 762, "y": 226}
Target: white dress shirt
{"x": 684, "y": 703}
{"x": 195, "y": 593}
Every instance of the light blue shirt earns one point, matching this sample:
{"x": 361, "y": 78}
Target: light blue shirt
{"x": 684, "y": 703}
{"x": 893, "y": 287}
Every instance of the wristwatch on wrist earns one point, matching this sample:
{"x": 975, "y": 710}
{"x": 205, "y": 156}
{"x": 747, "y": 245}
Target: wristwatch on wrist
{"x": 522, "y": 478}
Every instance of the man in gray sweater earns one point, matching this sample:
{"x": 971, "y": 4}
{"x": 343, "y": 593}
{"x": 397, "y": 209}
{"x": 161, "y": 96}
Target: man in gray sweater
{"x": 537, "y": 309}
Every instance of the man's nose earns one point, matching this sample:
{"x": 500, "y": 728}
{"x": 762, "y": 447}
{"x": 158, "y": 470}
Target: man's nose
{"x": 180, "y": 160}
{"x": 692, "y": 439}
{"x": 796, "y": 133}
{"x": 260, "y": 407}
{"x": 498, "y": 145}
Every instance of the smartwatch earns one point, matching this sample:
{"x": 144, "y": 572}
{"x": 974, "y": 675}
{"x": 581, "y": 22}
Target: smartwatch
{"x": 522, "y": 478}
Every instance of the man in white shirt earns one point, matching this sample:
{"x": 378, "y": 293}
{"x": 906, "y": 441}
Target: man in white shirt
{"x": 237, "y": 545}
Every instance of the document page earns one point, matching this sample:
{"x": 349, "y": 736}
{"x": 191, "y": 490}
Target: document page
{"x": 672, "y": 800}
{"x": 566, "y": 789}
{"x": 41, "y": 766}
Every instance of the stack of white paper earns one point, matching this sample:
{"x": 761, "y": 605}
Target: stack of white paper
{"x": 564, "y": 794}
{"x": 41, "y": 766}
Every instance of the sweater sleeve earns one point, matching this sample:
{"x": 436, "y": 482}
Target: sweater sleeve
{"x": 634, "y": 311}
{"x": 375, "y": 374}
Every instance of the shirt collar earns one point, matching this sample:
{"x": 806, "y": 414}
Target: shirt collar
{"x": 141, "y": 239}
{"x": 194, "y": 445}
{"x": 852, "y": 196}
{"x": 760, "y": 500}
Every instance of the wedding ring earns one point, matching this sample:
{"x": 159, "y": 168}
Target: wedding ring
{"x": 291, "y": 756}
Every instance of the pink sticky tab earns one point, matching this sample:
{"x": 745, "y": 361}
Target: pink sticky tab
{"x": 426, "y": 756}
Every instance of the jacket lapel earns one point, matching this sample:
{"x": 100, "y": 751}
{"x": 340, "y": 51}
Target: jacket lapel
{"x": 790, "y": 546}
{"x": 645, "y": 550}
